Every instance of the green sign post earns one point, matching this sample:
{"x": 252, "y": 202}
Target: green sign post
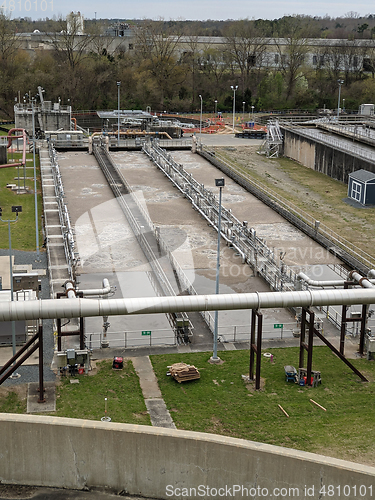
{"x": 281, "y": 327}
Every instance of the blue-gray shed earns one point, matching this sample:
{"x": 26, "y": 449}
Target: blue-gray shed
{"x": 361, "y": 187}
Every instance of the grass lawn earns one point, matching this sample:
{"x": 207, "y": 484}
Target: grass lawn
{"x": 125, "y": 402}
{"x": 221, "y": 403}
{"x": 22, "y": 232}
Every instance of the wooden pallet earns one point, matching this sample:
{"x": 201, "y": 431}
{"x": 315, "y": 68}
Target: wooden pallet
{"x": 183, "y": 372}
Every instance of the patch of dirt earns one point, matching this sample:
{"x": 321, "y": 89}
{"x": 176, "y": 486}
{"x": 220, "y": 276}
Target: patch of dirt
{"x": 20, "y": 390}
{"x": 250, "y": 384}
{"x": 216, "y": 426}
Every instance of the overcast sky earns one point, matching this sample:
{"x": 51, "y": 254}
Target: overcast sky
{"x": 187, "y": 9}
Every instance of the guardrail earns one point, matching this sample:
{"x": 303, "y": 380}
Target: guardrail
{"x": 131, "y": 338}
{"x": 340, "y": 144}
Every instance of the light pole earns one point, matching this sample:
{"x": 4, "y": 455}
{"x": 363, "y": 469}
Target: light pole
{"x": 70, "y": 115}
{"x": 215, "y": 107}
{"x": 343, "y": 105}
{"x": 234, "y": 88}
{"x": 340, "y": 82}
{"x": 35, "y": 186}
{"x": 252, "y": 112}
{"x": 220, "y": 183}
{"x": 15, "y": 209}
{"x": 243, "y": 110}
{"x": 200, "y": 121}
{"x": 118, "y": 113}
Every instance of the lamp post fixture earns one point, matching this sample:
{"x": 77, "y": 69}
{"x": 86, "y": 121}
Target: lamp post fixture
{"x": 200, "y": 121}
{"x": 220, "y": 183}
{"x": 118, "y": 113}
{"x": 340, "y": 82}
{"x": 243, "y": 110}
{"x": 234, "y": 88}
{"x": 215, "y": 107}
{"x": 15, "y": 209}
{"x": 70, "y": 115}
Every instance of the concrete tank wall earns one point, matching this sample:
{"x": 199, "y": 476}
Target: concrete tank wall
{"x": 299, "y": 149}
{"x": 323, "y": 158}
{"x": 338, "y": 164}
{"x": 153, "y": 462}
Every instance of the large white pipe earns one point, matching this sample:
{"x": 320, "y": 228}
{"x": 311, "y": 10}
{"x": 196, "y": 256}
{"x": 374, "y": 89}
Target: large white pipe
{"x": 98, "y": 291}
{"x": 311, "y": 282}
{"x": 364, "y": 282}
{"x": 75, "y": 308}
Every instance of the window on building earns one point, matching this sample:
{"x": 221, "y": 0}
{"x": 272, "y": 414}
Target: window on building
{"x": 252, "y": 60}
{"x": 356, "y": 191}
{"x": 276, "y": 58}
{"x": 315, "y": 60}
{"x": 131, "y": 47}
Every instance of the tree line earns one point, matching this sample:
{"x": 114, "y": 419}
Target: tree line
{"x": 158, "y": 74}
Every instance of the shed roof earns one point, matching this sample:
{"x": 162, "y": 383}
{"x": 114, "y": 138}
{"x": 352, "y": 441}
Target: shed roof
{"x": 362, "y": 175}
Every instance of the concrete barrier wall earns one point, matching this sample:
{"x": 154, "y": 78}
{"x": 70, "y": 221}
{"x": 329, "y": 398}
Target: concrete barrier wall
{"x": 163, "y": 463}
{"x": 322, "y": 158}
{"x": 299, "y": 149}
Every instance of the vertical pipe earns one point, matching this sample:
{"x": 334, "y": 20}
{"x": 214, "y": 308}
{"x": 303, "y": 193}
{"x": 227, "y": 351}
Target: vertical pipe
{"x": 252, "y": 344}
{"x": 41, "y": 382}
{"x": 81, "y": 333}
{"x": 343, "y": 324}
{"x": 58, "y": 325}
{"x": 259, "y": 350}
{"x": 310, "y": 348}
{"x": 302, "y": 339}
{"x": 363, "y": 329}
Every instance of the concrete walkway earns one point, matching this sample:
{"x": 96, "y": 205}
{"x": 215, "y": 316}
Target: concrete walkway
{"x": 159, "y": 414}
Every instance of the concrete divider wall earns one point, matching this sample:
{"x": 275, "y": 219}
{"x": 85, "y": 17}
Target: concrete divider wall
{"x": 299, "y": 149}
{"x": 323, "y": 157}
{"x": 159, "y": 463}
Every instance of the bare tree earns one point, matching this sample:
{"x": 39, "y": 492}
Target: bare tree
{"x": 292, "y": 50}
{"x": 70, "y": 44}
{"x": 246, "y": 47}
{"x": 9, "y": 42}
{"x": 157, "y": 48}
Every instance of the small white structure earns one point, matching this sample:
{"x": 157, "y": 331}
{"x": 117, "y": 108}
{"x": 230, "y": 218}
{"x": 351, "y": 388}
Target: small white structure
{"x": 366, "y": 109}
{"x": 75, "y": 23}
